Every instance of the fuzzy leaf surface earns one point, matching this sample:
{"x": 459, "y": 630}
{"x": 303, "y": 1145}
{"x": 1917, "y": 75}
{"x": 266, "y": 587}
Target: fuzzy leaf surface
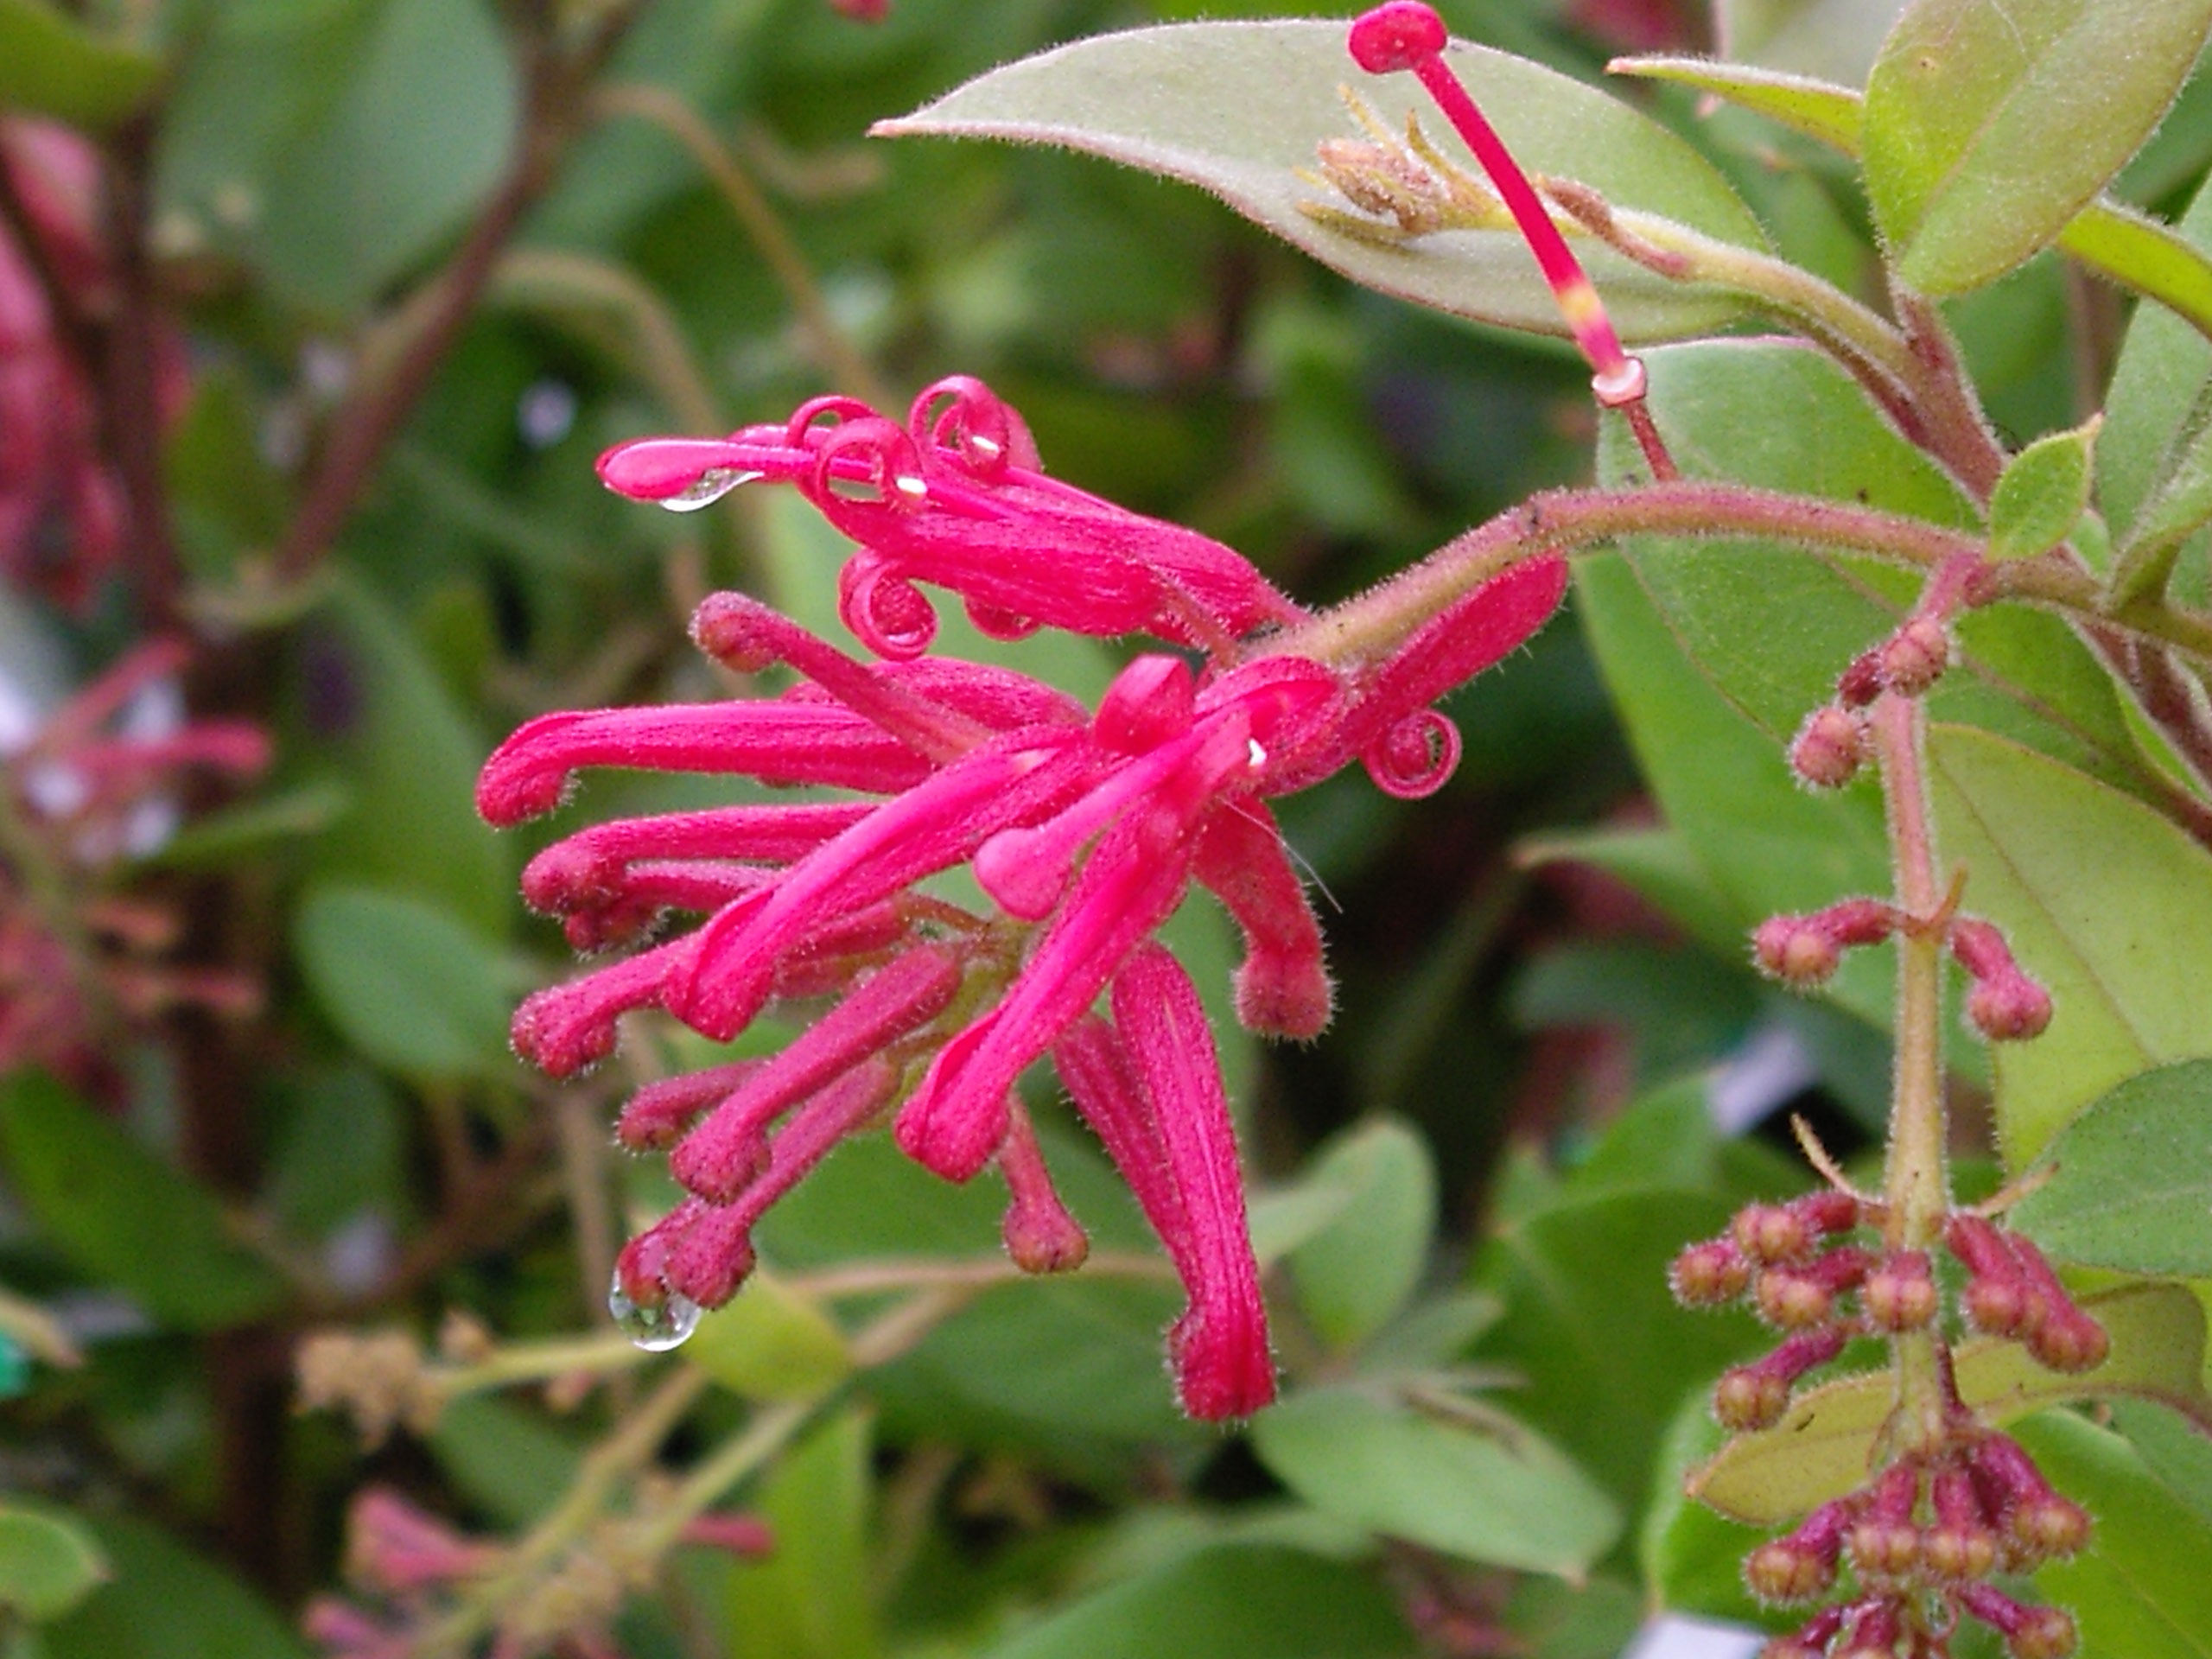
{"x": 1160, "y": 99}
{"x": 1966, "y": 168}
{"x": 2132, "y": 1183}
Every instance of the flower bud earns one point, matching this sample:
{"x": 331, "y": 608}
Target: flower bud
{"x": 1914, "y": 658}
{"x": 1861, "y": 682}
{"x": 2029, "y": 1632}
{"x": 1829, "y": 748}
{"x": 1794, "y": 950}
{"x": 1756, "y": 1395}
{"x": 1801, "y": 1567}
{"x": 1709, "y": 1275}
{"x": 1900, "y": 1294}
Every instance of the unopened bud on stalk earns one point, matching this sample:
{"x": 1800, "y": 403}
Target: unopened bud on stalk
{"x": 2029, "y": 1632}
{"x": 1709, "y": 1275}
{"x": 1756, "y": 1395}
{"x": 2005, "y": 1005}
{"x": 1800, "y": 1566}
{"x": 1914, "y": 658}
{"x": 1829, "y": 748}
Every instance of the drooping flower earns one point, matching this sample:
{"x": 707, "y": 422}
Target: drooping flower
{"x": 1085, "y": 829}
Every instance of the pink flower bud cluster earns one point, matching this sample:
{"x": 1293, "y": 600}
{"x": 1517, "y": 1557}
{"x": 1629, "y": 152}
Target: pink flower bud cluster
{"x": 1831, "y": 745}
{"x": 1803, "y": 952}
{"x": 1084, "y": 828}
{"x": 1921, "y": 1537}
{"x": 61, "y": 517}
{"x": 81, "y": 963}
{"x": 1921, "y": 1541}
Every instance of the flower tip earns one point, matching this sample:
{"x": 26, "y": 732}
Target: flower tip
{"x": 1222, "y": 1368}
{"x": 1399, "y": 35}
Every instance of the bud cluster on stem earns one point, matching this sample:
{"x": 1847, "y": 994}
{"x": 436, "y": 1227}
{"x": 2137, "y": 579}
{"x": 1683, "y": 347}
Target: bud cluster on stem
{"x": 1951, "y": 1501}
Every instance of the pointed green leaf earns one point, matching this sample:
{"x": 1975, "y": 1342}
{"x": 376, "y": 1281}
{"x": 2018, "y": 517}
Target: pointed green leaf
{"x": 1355, "y": 1274}
{"x": 1238, "y": 108}
{"x": 2042, "y": 495}
{"x": 1488, "y": 1491}
{"x": 1818, "y": 108}
{"x": 2154, "y": 459}
{"x": 2140, "y": 1588}
{"x": 124, "y": 1214}
{"x": 2087, "y": 884}
{"x": 47, "y": 1563}
{"x": 52, "y": 64}
{"x": 1966, "y": 168}
{"x": 1824, "y": 1447}
{"x": 410, "y": 987}
{"x": 2131, "y": 1186}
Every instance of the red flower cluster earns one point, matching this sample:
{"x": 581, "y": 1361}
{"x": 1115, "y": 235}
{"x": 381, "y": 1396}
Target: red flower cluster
{"x": 1085, "y": 828}
{"x": 61, "y": 521}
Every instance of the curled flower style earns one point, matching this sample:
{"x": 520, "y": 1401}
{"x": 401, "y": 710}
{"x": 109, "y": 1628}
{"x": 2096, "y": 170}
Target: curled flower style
{"x": 84, "y": 790}
{"x": 956, "y": 499}
{"x": 1085, "y": 829}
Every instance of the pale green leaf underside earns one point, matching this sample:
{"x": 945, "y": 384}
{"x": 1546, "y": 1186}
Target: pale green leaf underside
{"x": 1825, "y": 1446}
{"x": 1237, "y": 109}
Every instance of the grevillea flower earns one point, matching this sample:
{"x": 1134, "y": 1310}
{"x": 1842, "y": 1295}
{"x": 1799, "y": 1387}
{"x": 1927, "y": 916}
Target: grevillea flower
{"x": 61, "y": 519}
{"x": 84, "y": 790}
{"x": 956, "y": 499}
{"x": 1085, "y": 828}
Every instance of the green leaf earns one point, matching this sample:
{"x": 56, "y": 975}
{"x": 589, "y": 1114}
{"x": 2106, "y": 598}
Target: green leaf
{"x": 811, "y": 1599}
{"x": 1591, "y": 1325}
{"x": 123, "y": 1215}
{"x": 1825, "y": 1445}
{"x": 2132, "y": 1183}
{"x": 52, "y": 64}
{"x": 511, "y": 1461}
{"x": 335, "y": 146}
{"x": 1836, "y": 40}
{"x": 1818, "y": 109}
{"x": 1356, "y": 1272}
{"x": 2154, "y": 459}
{"x": 48, "y": 1563}
{"x": 374, "y": 706}
{"x": 2041, "y": 493}
{"x": 2176, "y": 1450}
{"x": 1963, "y": 106}
{"x": 409, "y": 987}
{"x": 2087, "y": 884}
{"x": 768, "y": 1343}
{"x": 164, "y": 1600}
{"x": 1153, "y": 99}
{"x": 2111, "y": 237}
{"x": 1229, "y": 1602}
{"x": 2140, "y": 1588}
{"x": 1481, "y": 1487}
{"x": 2138, "y": 251}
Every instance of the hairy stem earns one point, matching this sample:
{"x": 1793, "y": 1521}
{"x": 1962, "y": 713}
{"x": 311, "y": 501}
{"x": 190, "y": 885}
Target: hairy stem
{"x": 1563, "y": 520}
{"x": 1916, "y": 1180}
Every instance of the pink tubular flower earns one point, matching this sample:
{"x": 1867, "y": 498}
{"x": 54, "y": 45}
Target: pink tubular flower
{"x": 956, "y": 499}
{"x": 1085, "y": 830}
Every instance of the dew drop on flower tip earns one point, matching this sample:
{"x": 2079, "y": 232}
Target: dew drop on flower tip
{"x": 656, "y": 1330}
{"x": 710, "y": 486}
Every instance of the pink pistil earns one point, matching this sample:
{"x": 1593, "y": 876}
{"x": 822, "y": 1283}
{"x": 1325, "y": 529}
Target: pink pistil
{"x": 1406, "y": 35}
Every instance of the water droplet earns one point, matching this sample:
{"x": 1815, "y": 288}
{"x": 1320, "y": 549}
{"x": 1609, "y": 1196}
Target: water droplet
{"x": 656, "y": 1330}
{"x": 709, "y": 487}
